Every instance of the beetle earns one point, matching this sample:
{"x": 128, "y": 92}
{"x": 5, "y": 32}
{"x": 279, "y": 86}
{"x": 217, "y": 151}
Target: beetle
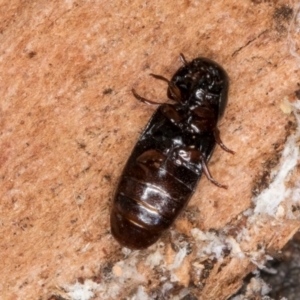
{"x": 171, "y": 154}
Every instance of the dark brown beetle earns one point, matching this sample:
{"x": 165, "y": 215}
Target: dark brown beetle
{"x": 167, "y": 162}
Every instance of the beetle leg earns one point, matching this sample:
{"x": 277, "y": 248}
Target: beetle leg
{"x": 219, "y": 141}
{"x": 194, "y": 157}
{"x": 174, "y": 90}
{"x": 208, "y": 175}
{"x": 144, "y": 100}
{"x": 172, "y": 114}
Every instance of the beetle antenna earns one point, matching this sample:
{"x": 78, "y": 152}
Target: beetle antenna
{"x": 183, "y": 60}
{"x": 159, "y": 77}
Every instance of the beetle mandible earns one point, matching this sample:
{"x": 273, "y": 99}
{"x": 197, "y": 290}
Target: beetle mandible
{"x": 166, "y": 164}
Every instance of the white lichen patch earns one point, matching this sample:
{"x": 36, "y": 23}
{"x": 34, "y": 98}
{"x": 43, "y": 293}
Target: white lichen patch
{"x": 256, "y": 287}
{"x": 82, "y": 291}
{"x": 293, "y": 34}
{"x": 155, "y": 259}
{"x": 210, "y": 245}
{"x": 128, "y": 269}
{"x": 270, "y": 200}
{"x": 140, "y": 294}
{"x": 179, "y": 257}
{"x": 123, "y": 271}
{"x": 236, "y": 250}
{"x": 89, "y": 289}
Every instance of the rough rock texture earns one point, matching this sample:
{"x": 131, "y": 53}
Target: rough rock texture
{"x": 68, "y": 122}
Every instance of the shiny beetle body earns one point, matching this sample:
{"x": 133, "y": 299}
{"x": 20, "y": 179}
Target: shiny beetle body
{"x": 167, "y": 162}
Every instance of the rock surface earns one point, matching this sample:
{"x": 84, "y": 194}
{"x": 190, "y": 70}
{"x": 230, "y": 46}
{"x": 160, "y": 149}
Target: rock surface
{"x": 68, "y": 122}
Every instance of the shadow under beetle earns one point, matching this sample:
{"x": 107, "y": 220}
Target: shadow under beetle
{"x": 167, "y": 162}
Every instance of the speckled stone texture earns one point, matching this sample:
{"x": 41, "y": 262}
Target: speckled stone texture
{"x": 68, "y": 122}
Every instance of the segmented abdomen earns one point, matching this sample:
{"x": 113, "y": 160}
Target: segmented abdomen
{"x": 148, "y": 200}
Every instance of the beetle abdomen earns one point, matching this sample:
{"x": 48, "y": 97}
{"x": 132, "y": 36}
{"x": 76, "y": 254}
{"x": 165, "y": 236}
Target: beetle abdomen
{"x": 149, "y": 198}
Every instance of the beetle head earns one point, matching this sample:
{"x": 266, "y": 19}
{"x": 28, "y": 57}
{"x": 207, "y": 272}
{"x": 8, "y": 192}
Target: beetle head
{"x": 201, "y": 77}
